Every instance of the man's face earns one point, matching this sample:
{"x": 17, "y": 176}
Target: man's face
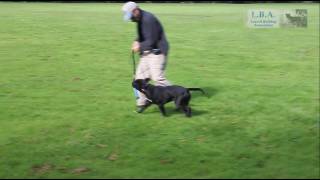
{"x": 135, "y": 15}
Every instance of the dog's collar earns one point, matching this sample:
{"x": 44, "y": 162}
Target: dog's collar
{"x": 144, "y": 91}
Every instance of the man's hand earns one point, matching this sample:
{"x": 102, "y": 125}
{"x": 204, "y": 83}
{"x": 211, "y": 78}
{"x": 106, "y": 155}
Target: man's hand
{"x": 135, "y": 46}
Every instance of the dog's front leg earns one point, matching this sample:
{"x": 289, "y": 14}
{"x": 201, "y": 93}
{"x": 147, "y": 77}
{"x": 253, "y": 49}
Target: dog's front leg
{"x": 162, "y": 109}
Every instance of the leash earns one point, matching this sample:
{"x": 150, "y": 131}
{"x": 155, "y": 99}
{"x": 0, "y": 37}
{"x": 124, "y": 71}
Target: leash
{"x": 134, "y": 73}
{"x": 134, "y": 63}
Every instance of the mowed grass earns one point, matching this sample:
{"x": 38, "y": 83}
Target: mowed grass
{"x": 66, "y": 101}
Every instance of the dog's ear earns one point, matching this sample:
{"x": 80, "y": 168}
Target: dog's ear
{"x": 144, "y": 83}
{"x": 147, "y": 80}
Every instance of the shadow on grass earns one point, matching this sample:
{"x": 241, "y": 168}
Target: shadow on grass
{"x": 172, "y": 111}
{"x": 196, "y": 112}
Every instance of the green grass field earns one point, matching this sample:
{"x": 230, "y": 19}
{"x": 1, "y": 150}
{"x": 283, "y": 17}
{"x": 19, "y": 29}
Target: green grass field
{"x": 66, "y": 101}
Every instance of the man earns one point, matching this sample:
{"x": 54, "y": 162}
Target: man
{"x": 152, "y": 46}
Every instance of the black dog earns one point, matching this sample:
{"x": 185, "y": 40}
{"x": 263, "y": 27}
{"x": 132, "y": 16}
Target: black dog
{"x": 161, "y": 95}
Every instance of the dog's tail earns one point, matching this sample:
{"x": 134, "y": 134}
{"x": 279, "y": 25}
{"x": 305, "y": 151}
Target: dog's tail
{"x": 198, "y": 89}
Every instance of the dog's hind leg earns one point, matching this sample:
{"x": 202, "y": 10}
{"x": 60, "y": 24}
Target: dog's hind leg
{"x": 178, "y": 103}
{"x": 184, "y": 104}
{"x": 162, "y": 109}
{"x": 187, "y": 111}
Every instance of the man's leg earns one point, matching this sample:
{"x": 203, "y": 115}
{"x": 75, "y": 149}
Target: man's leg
{"x": 157, "y": 64}
{"x": 142, "y": 73}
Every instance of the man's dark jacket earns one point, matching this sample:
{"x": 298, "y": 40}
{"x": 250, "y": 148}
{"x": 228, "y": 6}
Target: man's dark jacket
{"x": 151, "y": 34}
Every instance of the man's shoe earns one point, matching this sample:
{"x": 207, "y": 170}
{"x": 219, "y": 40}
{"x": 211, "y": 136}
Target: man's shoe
{"x": 140, "y": 109}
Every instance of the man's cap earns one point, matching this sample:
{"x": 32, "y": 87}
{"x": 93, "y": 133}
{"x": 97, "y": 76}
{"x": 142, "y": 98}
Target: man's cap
{"x": 127, "y": 9}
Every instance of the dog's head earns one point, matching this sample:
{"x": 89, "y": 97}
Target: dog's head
{"x": 140, "y": 84}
